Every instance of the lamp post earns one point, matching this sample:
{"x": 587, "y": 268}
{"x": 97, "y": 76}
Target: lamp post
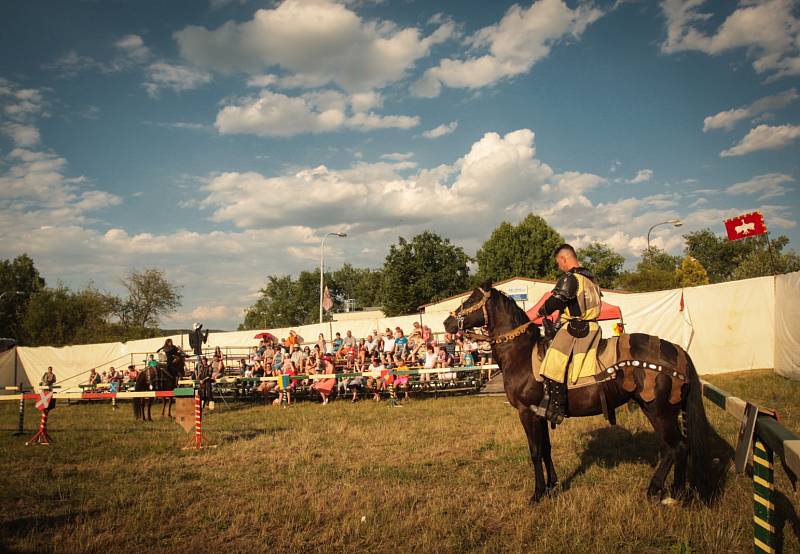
{"x": 675, "y": 222}
{"x": 322, "y": 267}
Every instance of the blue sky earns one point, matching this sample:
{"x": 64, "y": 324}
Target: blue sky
{"x": 221, "y": 140}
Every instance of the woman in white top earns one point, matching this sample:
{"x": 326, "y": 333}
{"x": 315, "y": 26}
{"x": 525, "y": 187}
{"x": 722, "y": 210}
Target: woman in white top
{"x": 430, "y": 362}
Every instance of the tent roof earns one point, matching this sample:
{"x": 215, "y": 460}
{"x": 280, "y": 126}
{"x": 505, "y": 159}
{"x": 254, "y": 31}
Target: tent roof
{"x": 607, "y": 311}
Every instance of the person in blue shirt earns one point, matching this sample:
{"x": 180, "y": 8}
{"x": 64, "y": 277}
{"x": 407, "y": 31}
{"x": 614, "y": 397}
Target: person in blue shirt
{"x": 400, "y": 345}
{"x": 337, "y": 343}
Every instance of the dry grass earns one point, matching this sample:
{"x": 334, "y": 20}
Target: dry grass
{"x": 444, "y": 475}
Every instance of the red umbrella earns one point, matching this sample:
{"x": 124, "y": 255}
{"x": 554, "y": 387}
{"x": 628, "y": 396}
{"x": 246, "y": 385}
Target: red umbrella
{"x": 265, "y": 336}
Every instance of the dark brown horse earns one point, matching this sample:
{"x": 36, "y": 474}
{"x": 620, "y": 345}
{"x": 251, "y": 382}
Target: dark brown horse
{"x": 513, "y": 338}
{"x": 163, "y": 377}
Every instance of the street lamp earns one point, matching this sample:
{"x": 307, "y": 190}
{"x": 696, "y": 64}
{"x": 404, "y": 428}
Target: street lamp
{"x": 675, "y": 222}
{"x": 322, "y": 267}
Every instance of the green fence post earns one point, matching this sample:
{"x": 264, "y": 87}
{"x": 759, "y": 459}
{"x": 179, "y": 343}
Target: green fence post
{"x": 763, "y": 508}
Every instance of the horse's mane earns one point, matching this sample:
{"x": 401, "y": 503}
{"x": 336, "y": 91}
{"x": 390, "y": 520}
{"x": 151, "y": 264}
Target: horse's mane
{"x": 517, "y": 315}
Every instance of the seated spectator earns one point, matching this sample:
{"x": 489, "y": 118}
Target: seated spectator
{"x": 325, "y": 386}
{"x": 151, "y": 361}
{"x": 322, "y": 344}
{"x": 277, "y": 360}
{"x": 374, "y": 382}
{"x": 401, "y": 380}
{"x": 242, "y": 367}
{"x": 355, "y": 384}
{"x": 427, "y": 335}
{"x": 361, "y": 355}
{"x": 94, "y": 378}
{"x": 430, "y": 362}
{"x": 388, "y": 347}
{"x": 400, "y": 345}
{"x": 132, "y": 374}
{"x": 217, "y": 366}
{"x": 371, "y": 346}
{"x": 349, "y": 339}
{"x": 297, "y": 358}
{"x": 337, "y": 343}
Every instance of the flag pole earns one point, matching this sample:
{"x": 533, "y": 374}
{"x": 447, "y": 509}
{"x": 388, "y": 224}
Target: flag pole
{"x": 771, "y": 255}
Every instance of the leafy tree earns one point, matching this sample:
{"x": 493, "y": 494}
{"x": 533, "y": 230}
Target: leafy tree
{"x": 59, "y": 316}
{"x": 522, "y": 250}
{"x": 425, "y": 269}
{"x": 19, "y": 281}
{"x": 150, "y": 296}
{"x": 361, "y": 284}
{"x": 275, "y": 307}
{"x": 759, "y": 261}
{"x": 691, "y": 273}
{"x": 655, "y": 271}
{"x": 603, "y": 262}
{"x": 739, "y": 259}
{"x": 718, "y": 255}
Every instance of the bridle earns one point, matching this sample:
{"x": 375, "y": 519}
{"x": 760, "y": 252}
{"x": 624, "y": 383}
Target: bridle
{"x": 461, "y": 311}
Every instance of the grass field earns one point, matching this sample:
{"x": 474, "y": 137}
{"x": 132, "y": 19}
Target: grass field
{"x": 443, "y": 475}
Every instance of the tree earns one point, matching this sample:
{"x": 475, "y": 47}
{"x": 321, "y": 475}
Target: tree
{"x": 58, "y": 316}
{"x": 275, "y": 307}
{"x": 691, "y": 273}
{"x": 603, "y": 262}
{"x": 726, "y": 259}
{"x": 522, "y": 250}
{"x": 425, "y": 269}
{"x": 19, "y": 281}
{"x": 718, "y": 255}
{"x": 758, "y": 261}
{"x": 655, "y": 271}
{"x": 361, "y": 284}
{"x": 150, "y": 296}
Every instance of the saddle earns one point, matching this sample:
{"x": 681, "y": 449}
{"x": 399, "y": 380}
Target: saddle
{"x": 634, "y": 361}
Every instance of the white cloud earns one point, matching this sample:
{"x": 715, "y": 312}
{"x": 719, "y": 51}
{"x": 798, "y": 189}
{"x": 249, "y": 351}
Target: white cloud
{"x": 261, "y": 81}
{"x": 761, "y": 107}
{"x": 178, "y": 78}
{"x": 764, "y": 137}
{"x": 316, "y": 42}
{"x": 133, "y": 47}
{"x": 441, "y": 130}
{"x": 513, "y": 46}
{"x": 22, "y": 135}
{"x": 276, "y": 114}
{"x": 21, "y": 104}
{"x": 765, "y": 186}
{"x": 397, "y": 156}
{"x": 768, "y": 30}
{"x": 642, "y": 176}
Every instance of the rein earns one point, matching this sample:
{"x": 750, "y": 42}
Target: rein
{"x": 481, "y": 305}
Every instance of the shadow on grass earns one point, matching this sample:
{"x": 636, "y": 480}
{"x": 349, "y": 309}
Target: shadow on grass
{"x": 248, "y": 434}
{"x": 611, "y": 446}
{"x": 25, "y": 526}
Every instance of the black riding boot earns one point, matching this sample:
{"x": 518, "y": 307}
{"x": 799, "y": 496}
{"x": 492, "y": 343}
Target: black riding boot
{"x": 554, "y": 403}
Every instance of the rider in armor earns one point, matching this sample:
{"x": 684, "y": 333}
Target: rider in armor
{"x": 577, "y": 296}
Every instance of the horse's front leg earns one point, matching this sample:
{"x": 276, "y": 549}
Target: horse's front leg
{"x": 552, "y": 477}
{"x": 531, "y": 424}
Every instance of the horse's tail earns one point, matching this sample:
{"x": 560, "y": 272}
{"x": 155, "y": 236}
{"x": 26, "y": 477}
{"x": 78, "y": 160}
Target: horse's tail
{"x": 698, "y": 432}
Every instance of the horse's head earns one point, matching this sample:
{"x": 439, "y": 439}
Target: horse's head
{"x": 472, "y": 312}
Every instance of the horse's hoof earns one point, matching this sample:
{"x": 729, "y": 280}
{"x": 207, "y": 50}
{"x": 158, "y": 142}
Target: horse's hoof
{"x": 553, "y": 489}
{"x": 536, "y": 498}
{"x": 654, "y": 494}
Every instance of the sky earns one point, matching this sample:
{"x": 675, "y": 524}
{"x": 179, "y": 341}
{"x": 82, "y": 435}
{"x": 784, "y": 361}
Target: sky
{"x": 221, "y": 140}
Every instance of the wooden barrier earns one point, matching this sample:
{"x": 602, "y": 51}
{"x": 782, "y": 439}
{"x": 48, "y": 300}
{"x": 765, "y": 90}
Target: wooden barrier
{"x": 42, "y": 436}
{"x": 770, "y": 438}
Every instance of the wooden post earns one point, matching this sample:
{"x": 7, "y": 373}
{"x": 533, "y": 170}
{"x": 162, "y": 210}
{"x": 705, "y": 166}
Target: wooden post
{"x": 198, "y": 421}
{"x": 21, "y": 429}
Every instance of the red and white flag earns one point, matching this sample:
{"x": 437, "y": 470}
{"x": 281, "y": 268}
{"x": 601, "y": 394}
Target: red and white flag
{"x": 327, "y": 301}
{"x": 745, "y": 225}
{"x": 44, "y": 400}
